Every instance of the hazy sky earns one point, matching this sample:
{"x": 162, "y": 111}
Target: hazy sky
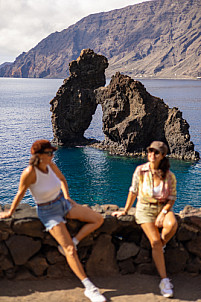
{"x": 24, "y": 23}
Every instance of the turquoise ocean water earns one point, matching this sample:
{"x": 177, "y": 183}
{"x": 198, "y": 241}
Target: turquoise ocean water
{"x": 93, "y": 175}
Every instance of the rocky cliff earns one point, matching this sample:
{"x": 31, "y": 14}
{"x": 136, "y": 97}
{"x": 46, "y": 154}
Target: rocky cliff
{"x": 75, "y": 103}
{"x": 159, "y": 38}
{"x": 132, "y": 118}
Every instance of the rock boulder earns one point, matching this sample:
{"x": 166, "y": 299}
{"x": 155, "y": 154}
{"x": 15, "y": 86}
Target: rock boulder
{"x": 75, "y": 103}
{"x": 132, "y": 119}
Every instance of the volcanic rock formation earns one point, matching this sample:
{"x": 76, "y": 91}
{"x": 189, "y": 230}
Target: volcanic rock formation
{"x": 132, "y": 118}
{"x": 75, "y": 103}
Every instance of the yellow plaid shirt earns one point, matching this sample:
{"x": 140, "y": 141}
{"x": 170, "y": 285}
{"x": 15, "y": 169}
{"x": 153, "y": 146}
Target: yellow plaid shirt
{"x": 142, "y": 185}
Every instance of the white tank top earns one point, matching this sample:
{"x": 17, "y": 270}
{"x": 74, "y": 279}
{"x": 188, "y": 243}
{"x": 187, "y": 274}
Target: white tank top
{"x": 157, "y": 190}
{"x": 47, "y": 186}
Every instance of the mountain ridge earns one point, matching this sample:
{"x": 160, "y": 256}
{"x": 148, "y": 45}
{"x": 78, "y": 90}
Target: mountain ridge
{"x": 160, "y": 38}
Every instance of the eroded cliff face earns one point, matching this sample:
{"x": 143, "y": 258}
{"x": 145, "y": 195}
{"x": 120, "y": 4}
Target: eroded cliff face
{"x": 75, "y": 103}
{"x": 159, "y": 38}
{"x": 132, "y": 119}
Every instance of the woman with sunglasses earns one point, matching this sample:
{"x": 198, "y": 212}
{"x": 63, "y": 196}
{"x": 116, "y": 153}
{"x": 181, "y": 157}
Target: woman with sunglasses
{"x": 50, "y": 191}
{"x": 154, "y": 185}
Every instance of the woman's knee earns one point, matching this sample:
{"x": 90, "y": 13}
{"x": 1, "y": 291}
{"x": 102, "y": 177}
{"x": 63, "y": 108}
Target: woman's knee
{"x": 156, "y": 243}
{"x": 172, "y": 225}
{"x": 69, "y": 250}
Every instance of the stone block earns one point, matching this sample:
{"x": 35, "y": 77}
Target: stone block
{"x": 195, "y": 220}
{"x": 74, "y": 226}
{"x": 126, "y": 266}
{"x": 176, "y": 259}
{"x": 57, "y": 271}
{"x": 5, "y": 259}
{"x": 144, "y": 256}
{"x": 186, "y": 232}
{"x": 53, "y": 256}
{"x": 24, "y": 274}
{"x": 49, "y": 240}
{"x": 38, "y": 265}
{"x": 109, "y": 226}
{"x": 194, "y": 246}
{"x": 4, "y": 235}
{"x": 102, "y": 261}
{"x": 5, "y": 225}
{"x": 25, "y": 210}
{"x": 194, "y": 265}
{"x": 127, "y": 250}
{"x": 147, "y": 268}
{"x": 29, "y": 226}
{"x": 22, "y": 248}
{"x": 145, "y": 242}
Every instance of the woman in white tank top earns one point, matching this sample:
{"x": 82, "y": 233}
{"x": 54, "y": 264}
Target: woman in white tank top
{"x": 50, "y": 192}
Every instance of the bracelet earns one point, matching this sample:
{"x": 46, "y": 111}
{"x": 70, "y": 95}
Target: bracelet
{"x": 164, "y": 211}
{"x": 126, "y": 212}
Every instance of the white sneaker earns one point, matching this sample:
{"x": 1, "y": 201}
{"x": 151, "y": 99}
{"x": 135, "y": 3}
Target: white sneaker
{"x": 94, "y": 295}
{"x": 61, "y": 250}
{"x": 166, "y": 288}
{"x": 163, "y": 248}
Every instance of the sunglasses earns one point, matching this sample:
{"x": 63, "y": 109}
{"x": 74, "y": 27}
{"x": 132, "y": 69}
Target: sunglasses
{"x": 49, "y": 153}
{"x": 156, "y": 152}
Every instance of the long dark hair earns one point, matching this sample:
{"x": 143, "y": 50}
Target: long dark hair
{"x": 163, "y": 168}
{"x": 34, "y": 160}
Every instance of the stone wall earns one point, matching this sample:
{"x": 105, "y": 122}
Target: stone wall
{"x": 118, "y": 247}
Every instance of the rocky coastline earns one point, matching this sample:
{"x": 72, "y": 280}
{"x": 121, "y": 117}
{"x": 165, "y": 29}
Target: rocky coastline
{"x": 118, "y": 247}
{"x": 132, "y": 117}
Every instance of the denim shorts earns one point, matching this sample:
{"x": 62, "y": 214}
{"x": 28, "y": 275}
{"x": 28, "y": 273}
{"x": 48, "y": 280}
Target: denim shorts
{"x": 53, "y": 214}
{"x": 147, "y": 212}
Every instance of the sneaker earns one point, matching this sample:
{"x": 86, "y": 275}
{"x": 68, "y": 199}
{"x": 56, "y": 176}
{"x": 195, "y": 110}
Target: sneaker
{"x": 61, "y": 250}
{"x": 94, "y": 295}
{"x": 163, "y": 248}
{"x": 166, "y": 288}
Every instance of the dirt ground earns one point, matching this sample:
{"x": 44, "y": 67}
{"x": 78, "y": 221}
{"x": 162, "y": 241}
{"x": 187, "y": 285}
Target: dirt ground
{"x": 127, "y": 288}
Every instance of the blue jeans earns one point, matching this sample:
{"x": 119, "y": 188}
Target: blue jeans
{"x": 53, "y": 214}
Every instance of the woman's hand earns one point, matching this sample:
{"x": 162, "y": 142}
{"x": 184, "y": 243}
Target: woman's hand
{"x": 71, "y": 201}
{"x": 5, "y": 214}
{"x": 119, "y": 213}
{"x": 159, "y": 220}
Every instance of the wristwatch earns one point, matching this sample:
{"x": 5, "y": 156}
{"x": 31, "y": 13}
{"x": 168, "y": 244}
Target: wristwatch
{"x": 164, "y": 211}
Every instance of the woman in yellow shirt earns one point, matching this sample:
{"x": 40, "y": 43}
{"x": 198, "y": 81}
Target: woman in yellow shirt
{"x": 154, "y": 185}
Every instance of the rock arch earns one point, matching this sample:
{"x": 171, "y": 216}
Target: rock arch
{"x": 132, "y": 118}
{"x": 75, "y": 103}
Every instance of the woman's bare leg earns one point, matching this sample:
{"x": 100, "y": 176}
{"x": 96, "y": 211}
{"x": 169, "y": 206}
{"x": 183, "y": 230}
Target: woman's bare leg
{"x": 169, "y": 227}
{"x": 153, "y": 235}
{"x": 62, "y": 236}
{"x": 93, "y": 220}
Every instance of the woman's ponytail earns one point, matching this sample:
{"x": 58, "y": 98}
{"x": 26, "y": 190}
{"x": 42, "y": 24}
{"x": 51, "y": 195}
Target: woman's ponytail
{"x": 34, "y": 160}
{"x": 164, "y": 166}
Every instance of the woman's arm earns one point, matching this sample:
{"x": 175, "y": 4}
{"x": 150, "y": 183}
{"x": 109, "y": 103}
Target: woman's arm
{"x": 170, "y": 200}
{"x": 129, "y": 202}
{"x": 27, "y": 178}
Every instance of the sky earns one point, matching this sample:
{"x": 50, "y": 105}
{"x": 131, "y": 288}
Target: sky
{"x": 24, "y": 23}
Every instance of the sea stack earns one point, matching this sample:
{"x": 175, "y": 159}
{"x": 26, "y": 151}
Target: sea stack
{"x": 74, "y": 104}
{"x": 132, "y": 117}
